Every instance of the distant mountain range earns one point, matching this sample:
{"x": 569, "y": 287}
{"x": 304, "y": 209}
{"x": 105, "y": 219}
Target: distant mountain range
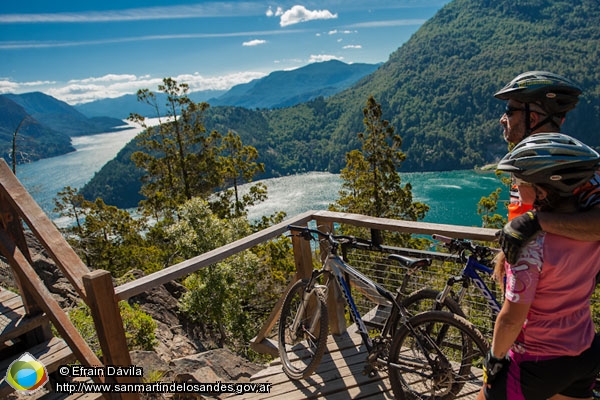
{"x": 276, "y": 90}
{"x": 43, "y": 126}
{"x": 47, "y": 123}
{"x": 288, "y": 88}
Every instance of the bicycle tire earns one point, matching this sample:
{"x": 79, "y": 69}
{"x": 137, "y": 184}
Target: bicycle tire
{"x": 301, "y": 351}
{"x": 425, "y": 300}
{"x": 413, "y": 375}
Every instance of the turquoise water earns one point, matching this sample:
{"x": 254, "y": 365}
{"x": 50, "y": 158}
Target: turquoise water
{"x": 451, "y": 195}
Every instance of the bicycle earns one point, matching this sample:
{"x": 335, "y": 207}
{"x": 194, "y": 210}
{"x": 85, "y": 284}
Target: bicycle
{"x": 429, "y": 355}
{"x": 476, "y": 259}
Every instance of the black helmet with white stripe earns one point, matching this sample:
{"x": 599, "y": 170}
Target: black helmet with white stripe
{"x": 552, "y": 160}
{"x": 553, "y": 93}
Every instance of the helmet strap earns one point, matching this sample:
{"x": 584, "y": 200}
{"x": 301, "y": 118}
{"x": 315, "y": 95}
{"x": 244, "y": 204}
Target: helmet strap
{"x": 529, "y": 129}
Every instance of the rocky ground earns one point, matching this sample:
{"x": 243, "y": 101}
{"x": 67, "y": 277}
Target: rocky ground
{"x": 180, "y": 355}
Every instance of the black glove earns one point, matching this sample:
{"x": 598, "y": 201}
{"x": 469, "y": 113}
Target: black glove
{"x": 492, "y": 366}
{"x": 516, "y": 233}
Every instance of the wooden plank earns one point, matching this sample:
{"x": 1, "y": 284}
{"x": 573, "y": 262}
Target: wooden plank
{"x": 14, "y": 320}
{"x": 176, "y": 271}
{"x": 338, "y": 377}
{"x": 20, "y": 324}
{"x": 45, "y": 300}
{"x": 12, "y": 224}
{"x": 52, "y": 354}
{"x": 422, "y": 228}
{"x": 6, "y": 295}
{"x": 45, "y": 230}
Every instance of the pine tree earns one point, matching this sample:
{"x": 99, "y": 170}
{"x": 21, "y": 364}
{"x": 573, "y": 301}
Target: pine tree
{"x": 371, "y": 182}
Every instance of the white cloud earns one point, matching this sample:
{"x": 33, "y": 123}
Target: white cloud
{"x": 79, "y": 91}
{"x": 6, "y": 86}
{"x": 353, "y": 46}
{"x": 254, "y": 42}
{"x": 395, "y": 22}
{"x": 205, "y": 10}
{"x": 14, "y": 45}
{"x": 276, "y": 13}
{"x": 298, "y": 14}
{"x": 323, "y": 57}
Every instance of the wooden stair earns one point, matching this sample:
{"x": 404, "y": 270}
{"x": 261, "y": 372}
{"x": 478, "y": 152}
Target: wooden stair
{"x": 17, "y": 336}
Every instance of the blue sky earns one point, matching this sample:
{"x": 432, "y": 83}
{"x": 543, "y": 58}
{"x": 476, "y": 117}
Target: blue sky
{"x": 87, "y": 50}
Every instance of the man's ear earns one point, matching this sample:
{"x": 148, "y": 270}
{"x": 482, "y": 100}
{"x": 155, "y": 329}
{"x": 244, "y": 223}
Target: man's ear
{"x": 540, "y": 192}
{"x": 534, "y": 118}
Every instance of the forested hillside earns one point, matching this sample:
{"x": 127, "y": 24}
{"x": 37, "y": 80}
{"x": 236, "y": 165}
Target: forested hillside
{"x": 436, "y": 90}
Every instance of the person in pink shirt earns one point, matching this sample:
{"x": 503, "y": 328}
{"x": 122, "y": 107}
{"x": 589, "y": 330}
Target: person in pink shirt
{"x": 544, "y": 344}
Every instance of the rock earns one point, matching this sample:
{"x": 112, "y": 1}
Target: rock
{"x": 226, "y": 365}
{"x": 181, "y": 353}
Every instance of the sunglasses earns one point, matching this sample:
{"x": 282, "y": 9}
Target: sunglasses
{"x": 521, "y": 182}
{"x": 511, "y": 110}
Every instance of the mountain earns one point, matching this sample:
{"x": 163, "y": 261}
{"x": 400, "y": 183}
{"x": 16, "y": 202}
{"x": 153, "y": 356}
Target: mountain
{"x": 61, "y": 117}
{"x": 33, "y": 140}
{"x": 276, "y": 90}
{"x": 121, "y": 107}
{"x": 287, "y": 88}
{"x": 436, "y": 90}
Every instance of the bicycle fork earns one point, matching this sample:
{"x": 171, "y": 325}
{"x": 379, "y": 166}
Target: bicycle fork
{"x": 441, "y": 297}
{"x": 318, "y": 290}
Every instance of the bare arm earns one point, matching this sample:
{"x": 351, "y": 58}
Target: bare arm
{"x": 584, "y": 225}
{"x": 508, "y": 325}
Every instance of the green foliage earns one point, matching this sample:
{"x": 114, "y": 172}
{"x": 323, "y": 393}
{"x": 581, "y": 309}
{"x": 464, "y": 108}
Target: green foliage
{"x": 238, "y": 166}
{"x": 179, "y": 158}
{"x": 371, "y": 183}
{"x": 107, "y": 237}
{"x": 488, "y": 206}
{"x": 139, "y": 327}
{"x": 232, "y": 298}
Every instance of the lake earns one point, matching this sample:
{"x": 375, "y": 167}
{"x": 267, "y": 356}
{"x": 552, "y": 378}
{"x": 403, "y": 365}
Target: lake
{"x": 451, "y": 195}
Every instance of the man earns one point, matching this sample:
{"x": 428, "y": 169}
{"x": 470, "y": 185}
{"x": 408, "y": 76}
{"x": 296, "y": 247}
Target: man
{"x": 537, "y": 102}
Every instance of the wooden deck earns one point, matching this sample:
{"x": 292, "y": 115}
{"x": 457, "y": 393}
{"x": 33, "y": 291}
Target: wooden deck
{"x": 339, "y": 376}
{"x": 54, "y": 352}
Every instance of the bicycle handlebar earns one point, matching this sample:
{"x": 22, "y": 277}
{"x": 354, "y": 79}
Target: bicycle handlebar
{"x": 461, "y": 245}
{"x": 307, "y": 232}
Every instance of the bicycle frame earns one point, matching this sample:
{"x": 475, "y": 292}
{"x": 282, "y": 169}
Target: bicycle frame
{"x": 468, "y": 274}
{"x": 427, "y": 339}
{"x": 338, "y": 268}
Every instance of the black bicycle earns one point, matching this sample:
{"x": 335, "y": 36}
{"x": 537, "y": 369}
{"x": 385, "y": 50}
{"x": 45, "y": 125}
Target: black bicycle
{"x": 432, "y": 355}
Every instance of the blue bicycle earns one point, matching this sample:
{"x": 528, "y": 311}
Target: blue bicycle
{"x": 477, "y": 260}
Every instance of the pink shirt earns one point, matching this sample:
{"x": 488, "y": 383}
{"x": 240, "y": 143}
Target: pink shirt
{"x": 556, "y": 275}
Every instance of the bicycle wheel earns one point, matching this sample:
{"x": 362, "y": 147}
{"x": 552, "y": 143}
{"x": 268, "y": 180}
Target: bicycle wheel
{"x": 425, "y": 300}
{"x": 442, "y": 358}
{"x": 302, "y": 348}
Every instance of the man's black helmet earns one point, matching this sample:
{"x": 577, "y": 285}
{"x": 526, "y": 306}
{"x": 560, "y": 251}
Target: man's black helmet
{"x": 552, "y": 160}
{"x": 556, "y": 94}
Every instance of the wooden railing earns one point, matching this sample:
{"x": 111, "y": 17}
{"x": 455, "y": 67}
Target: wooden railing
{"x": 96, "y": 288}
{"x": 302, "y": 256}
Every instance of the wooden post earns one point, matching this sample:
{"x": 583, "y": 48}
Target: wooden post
{"x": 109, "y": 324}
{"x": 335, "y": 303}
{"x": 302, "y": 257}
